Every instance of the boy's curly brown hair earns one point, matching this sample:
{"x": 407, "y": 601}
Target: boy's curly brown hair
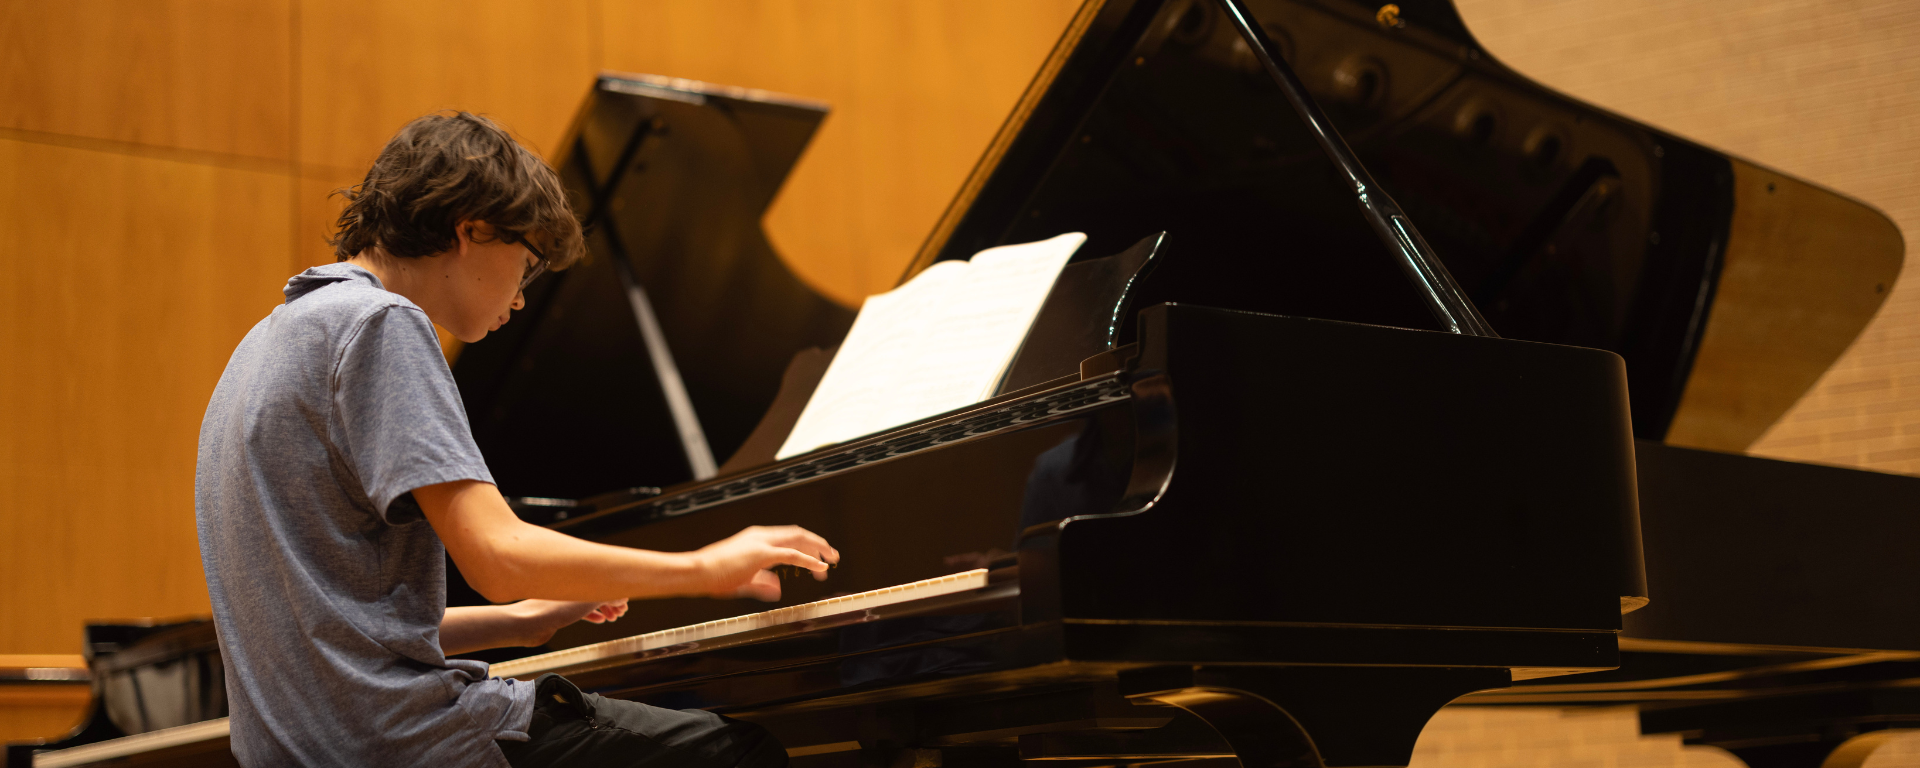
{"x": 452, "y": 167}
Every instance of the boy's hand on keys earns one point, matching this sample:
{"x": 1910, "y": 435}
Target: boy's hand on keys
{"x": 791, "y": 571}
{"x": 605, "y": 612}
{"x": 540, "y": 619}
{"x": 738, "y": 566}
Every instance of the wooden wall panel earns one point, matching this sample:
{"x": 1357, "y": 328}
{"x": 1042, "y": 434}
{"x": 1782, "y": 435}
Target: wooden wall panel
{"x": 129, "y": 281}
{"x": 208, "y": 75}
{"x": 1828, "y": 90}
{"x": 369, "y": 66}
{"x": 318, "y": 209}
{"x": 917, "y": 89}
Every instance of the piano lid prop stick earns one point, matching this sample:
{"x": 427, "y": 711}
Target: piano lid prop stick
{"x": 1444, "y": 298}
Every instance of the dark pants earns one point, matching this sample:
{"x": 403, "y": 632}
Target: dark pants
{"x": 572, "y": 728}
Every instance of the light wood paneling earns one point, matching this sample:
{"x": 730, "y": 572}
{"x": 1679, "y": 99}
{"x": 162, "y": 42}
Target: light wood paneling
{"x": 318, "y": 210}
{"x": 209, "y": 75}
{"x": 1828, "y": 90}
{"x": 917, "y": 89}
{"x": 369, "y": 66}
{"x": 129, "y": 282}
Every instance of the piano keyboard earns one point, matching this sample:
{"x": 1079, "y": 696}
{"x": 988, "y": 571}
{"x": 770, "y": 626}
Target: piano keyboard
{"x": 533, "y": 665}
{"x": 587, "y": 654}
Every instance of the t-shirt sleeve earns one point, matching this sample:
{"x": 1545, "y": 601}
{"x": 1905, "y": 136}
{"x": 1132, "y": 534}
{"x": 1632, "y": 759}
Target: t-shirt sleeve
{"x": 403, "y": 424}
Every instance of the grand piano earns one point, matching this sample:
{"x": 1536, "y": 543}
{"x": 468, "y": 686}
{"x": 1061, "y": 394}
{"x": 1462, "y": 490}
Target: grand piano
{"x": 1560, "y": 223}
{"x": 1262, "y": 485}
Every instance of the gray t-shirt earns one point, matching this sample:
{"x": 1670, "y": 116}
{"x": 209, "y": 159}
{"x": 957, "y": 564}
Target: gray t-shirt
{"x": 328, "y": 587}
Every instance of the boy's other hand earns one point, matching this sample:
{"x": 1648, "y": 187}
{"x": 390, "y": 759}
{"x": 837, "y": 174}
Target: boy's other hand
{"x": 526, "y": 623}
{"x": 545, "y": 617}
{"x": 602, "y": 613}
{"x": 737, "y": 565}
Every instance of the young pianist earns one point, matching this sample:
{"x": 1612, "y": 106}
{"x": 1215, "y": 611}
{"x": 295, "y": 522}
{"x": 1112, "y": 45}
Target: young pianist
{"x": 336, "y": 466}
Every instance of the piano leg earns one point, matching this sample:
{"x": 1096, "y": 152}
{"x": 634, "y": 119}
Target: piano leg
{"x": 1313, "y": 717}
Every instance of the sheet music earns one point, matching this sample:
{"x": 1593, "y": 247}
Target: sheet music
{"x": 941, "y": 341}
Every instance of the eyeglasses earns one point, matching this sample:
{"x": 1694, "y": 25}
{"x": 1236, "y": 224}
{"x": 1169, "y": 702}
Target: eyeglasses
{"x": 533, "y": 270}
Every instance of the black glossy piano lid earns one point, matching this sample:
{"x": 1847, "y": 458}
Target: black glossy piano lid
{"x": 1564, "y": 223}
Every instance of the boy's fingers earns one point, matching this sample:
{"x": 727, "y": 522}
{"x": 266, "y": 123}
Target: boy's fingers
{"x": 798, "y": 558}
{"x": 807, "y": 541}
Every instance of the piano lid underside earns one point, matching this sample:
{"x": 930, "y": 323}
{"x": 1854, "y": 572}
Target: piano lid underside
{"x": 1542, "y": 208}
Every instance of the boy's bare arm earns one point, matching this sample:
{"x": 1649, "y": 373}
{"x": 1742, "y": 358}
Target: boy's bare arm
{"x": 526, "y": 623}
{"x": 506, "y": 558}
